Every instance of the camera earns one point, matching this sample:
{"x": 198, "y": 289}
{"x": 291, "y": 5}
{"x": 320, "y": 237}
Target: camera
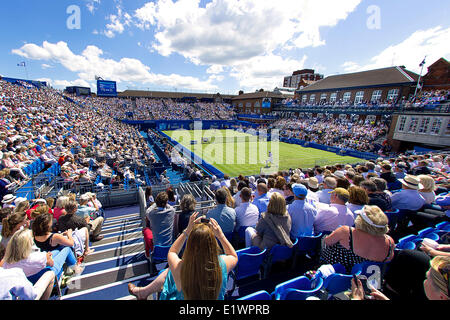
{"x": 204, "y": 220}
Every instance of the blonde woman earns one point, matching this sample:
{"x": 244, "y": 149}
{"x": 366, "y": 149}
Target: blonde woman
{"x": 368, "y": 241}
{"x": 428, "y": 188}
{"x": 22, "y": 206}
{"x": 202, "y": 272}
{"x": 274, "y": 226}
{"x": 19, "y": 254}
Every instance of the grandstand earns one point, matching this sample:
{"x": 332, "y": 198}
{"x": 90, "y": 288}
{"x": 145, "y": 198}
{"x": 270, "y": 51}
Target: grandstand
{"x": 56, "y": 144}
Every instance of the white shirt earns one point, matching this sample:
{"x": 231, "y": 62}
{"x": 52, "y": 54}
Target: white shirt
{"x": 14, "y": 284}
{"x": 35, "y": 262}
{"x": 330, "y": 217}
{"x": 324, "y": 195}
{"x": 247, "y": 214}
{"x": 407, "y": 199}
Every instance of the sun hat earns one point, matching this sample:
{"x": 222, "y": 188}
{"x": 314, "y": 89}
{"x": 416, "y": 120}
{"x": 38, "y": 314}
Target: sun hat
{"x": 341, "y": 192}
{"x": 411, "y": 182}
{"x": 339, "y": 174}
{"x": 8, "y": 198}
{"x": 313, "y": 183}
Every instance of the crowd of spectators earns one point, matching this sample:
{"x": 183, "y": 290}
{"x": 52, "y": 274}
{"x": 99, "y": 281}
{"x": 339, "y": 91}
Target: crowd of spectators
{"x": 157, "y": 109}
{"x": 424, "y": 98}
{"x": 83, "y": 138}
{"x": 43, "y": 241}
{"x": 342, "y": 133}
{"x": 347, "y": 204}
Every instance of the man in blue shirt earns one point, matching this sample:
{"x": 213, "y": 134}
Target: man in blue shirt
{"x": 409, "y": 197}
{"x": 302, "y": 213}
{"x": 262, "y": 200}
{"x": 224, "y": 215}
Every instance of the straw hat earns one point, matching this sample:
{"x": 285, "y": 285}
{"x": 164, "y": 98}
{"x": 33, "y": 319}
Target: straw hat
{"x": 9, "y": 198}
{"x": 411, "y": 182}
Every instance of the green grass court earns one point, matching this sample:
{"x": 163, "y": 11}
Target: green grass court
{"x": 237, "y": 153}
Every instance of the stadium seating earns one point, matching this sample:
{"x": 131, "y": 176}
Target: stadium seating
{"x": 302, "y": 288}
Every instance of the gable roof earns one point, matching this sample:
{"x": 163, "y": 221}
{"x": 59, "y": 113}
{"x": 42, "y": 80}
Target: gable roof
{"x": 170, "y": 95}
{"x": 385, "y": 76}
{"x": 263, "y": 94}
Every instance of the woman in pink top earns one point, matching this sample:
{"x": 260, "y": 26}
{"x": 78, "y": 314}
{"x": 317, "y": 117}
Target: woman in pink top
{"x": 59, "y": 210}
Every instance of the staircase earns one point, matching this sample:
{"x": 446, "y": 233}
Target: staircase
{"x": 119, "y": 258}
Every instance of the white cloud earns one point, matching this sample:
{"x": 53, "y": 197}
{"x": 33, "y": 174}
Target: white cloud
{"x": 46, "y": 66}
{"x": 432, "y": 43}
{"x": 117, "y": 23}
{"x": 91, "y": 5}
{"x": 265, "y": 72}
{"x": 241, "y": 35}
{"x": 91, "y": 63}
{"x": 227, "y": 32}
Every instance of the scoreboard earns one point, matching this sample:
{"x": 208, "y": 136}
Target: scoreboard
{"x": 106, "y": 88}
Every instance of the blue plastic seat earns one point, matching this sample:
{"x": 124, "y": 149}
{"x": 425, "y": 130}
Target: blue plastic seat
{"x": 302, "y": 287}
{"x": 339, "y": 281}
{"x": 309, "y": 244}
{"x": 249, "y": 262}
{"x": 278, "y": 253}
{"x": 259, "y": 295}
{"x": 158, "y": 255}
{"x": 443, "y": 226}
{"x": 429, "y": 233}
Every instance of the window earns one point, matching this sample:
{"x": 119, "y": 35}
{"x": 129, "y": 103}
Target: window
{"x": 333, "y": 97}
{"x": 376, "y": 95}
{"x": 359, "y": 97}
{"x": 447, "y": 132}
{"x": 393, "y": 94}
{"x": 312, "y": 98}
{"x": 257, "y": 105}
{"x": 347, "y": 96}
{"x": 401, "y": 125}
{"x": 424, "y": 124}
{"x": 323, "y": 96}
{"x": 241, "y": 105}
{"x": 304, "y": 98}
{"x": 436, "y": 126}
{"x": 413, "y": 124}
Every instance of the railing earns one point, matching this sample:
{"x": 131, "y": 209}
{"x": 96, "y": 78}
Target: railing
{"x": 364, "y": 109}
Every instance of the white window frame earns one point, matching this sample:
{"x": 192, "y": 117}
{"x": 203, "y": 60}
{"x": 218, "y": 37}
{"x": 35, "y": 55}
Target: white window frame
{"x": 413, "y": 124}
{"x": 376, "y": 95}
{"x": 393, "y": 94}
{"x": 436, "y": 126}
{"x": 312, "y": 98}
{"x": 347, "y": 96}
{"x": 402, "y": 123}
{"x": 359, "y": 97}
{"x": 424, "y": 125}
{"x": 333, "y": 97}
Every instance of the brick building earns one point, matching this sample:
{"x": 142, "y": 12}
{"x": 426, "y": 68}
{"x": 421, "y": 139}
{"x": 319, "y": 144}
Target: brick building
{"x": 259, "y": 102}
{"x": 438, "y": 76}
{"x": 387, "y": 84}
{"x": 294, "y": 80}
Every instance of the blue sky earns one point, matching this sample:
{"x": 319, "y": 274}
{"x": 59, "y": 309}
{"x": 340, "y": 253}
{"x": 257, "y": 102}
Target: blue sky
{"x": 216, "y": 46}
